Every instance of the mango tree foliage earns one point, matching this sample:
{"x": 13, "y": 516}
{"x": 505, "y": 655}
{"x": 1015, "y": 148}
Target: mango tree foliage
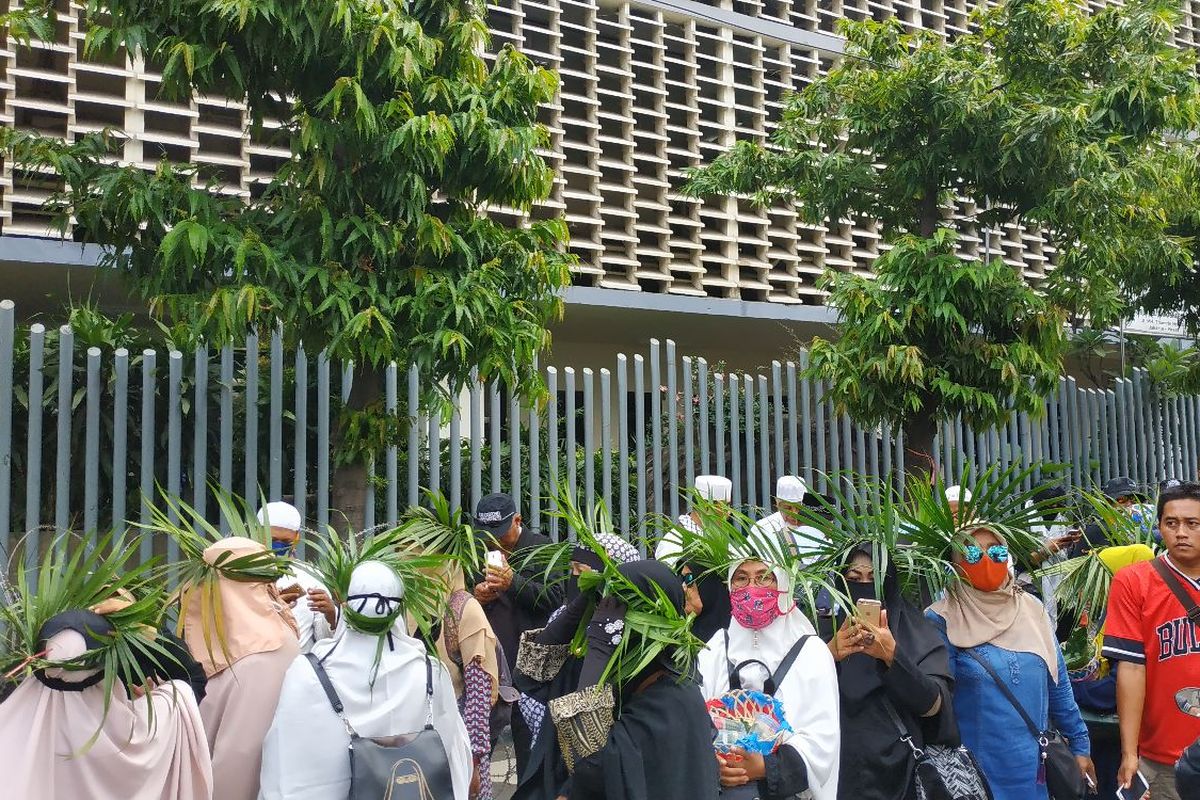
{"x": 1043, "y": 115}
{"x": 371, "y": 239}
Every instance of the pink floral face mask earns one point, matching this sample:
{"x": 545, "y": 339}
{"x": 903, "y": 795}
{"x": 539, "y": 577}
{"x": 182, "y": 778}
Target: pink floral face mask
{"x": 755, "y": 607}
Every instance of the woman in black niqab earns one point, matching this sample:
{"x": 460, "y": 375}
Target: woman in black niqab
{"x": 659, "y": 735}
{"x": 712, "y": 590}
{"x": 915, "y": 686}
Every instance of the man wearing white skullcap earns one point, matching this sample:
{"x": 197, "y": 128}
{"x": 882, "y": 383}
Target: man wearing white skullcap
{"x": 714, "y": 488}
{"x": 789, "y": 496}
{"x": 955, "y": 497}
{"x": 312, "y": 607}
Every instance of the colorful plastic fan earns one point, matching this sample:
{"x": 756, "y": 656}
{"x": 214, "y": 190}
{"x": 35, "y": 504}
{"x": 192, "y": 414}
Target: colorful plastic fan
{"x": 752, "y": 721}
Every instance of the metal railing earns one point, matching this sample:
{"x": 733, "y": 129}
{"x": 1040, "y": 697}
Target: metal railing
{"x": 88, "y": 438}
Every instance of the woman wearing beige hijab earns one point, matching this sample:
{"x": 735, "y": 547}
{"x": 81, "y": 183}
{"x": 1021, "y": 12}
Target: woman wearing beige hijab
{"x": 62, "y": 734}
{"x": 987, "y": 618}
{"x": 245, "y": 638}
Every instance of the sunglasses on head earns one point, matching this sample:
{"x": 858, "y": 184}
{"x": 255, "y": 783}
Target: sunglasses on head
{"x": 997, "y": 553}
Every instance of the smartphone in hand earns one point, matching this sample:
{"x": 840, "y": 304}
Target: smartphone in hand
{"x": 869, "y": 611}
{"x": 1137, "y": 790}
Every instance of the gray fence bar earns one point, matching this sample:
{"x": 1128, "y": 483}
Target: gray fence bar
{"x": 750, "y": 427}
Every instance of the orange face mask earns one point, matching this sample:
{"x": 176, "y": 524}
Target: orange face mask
{"x": 987, "y": 575}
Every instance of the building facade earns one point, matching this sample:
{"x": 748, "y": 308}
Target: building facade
{"x": 649, "y": 89}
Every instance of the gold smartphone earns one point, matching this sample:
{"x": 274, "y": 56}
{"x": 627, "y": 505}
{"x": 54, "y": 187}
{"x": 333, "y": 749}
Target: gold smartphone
{"x": 869, "y": 611}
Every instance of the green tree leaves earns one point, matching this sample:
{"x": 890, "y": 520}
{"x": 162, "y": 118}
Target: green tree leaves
{"x": 1042, "y": 115}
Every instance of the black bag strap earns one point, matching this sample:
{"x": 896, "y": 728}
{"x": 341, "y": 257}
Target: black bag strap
{"x": 1004, "y": 690}
{"x": 905, "y": 736}
{"x": 1172, "y": 582}
{"x": 331, "y": 693}
{"x": 340, "y": 709}
{"x": 785, "y": 665}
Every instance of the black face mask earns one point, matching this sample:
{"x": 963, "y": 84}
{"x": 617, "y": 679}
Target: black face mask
{"x": 861, "y": 591}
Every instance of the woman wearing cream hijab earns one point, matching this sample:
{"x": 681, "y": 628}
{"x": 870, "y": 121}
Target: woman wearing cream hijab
{"x": 245, "y": 661}
{"x": 62, "y": 735}
{"x": 988, "y": 615}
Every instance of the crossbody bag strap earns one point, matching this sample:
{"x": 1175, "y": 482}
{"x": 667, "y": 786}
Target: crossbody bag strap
{"x": 785, "y": 665}
{"x": 428, "y": 691}
{"x": 1004, "y": 690}
{"x": 1172, "y": 582}
{"x": 905, "y": 736}
{"x": 330, "y": 693}
{"x": 730, "y": 667}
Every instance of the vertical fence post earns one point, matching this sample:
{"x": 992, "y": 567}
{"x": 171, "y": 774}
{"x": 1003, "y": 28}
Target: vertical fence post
{"x": 8, "y": 334}
{"x": 120, "y": 463}
{"x": 200, "y": 431}
{"x": 702, "y": 392}
{"x": 821, "y": 433}
{"x": 323, "y": 444}
{"x": 300, "y": 437}
{"x": 226, "y": 454}
{"x": 535, "y": 465}
{"x": 569, "y": 422}
{"x": 391, "y": 456}
{"x": 719, "y": 394}
{"x": 476, "y": 432}
{"x": 781, "y": 463}
{"x": 639, "y": 394}
{"x": 672, "y": 483}
{"x": 623, "y": 440}
{"x": 435, "y": 451}
{"x": 174, "y": 439}
{"x": 251, "y": 462}
{"x": 804, "y": 422}
{"x": 33, "y": 445}
{"x": 552, "y": 446}
{"x": 656, "y": 426}
{"x": 414, "y": 435}
{"x": 146, "y": 464}
{"x": 735, "y": 441}
{"x": 455, "y": 458}
{"x": 764, "y": 444}
{"x": 793, "y": 414}
{"x": 494, "y": 428}
{"x": 275, "y": 478}
{"x": 91, "y": 447}
{"x": 514, "y": 444}
{"x": 62, "y": 460}
{"x": 589, "y": 447}
{"x": 606, "y": 443}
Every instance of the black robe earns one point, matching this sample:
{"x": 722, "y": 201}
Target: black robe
{"x": 875, "y": 763}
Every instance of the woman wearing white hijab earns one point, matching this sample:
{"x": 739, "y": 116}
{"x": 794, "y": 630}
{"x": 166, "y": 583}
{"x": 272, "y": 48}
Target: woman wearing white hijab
{"x": 62, "y": 735}
{"x": 766, "y": 632}
{"x": 381, "y": 682}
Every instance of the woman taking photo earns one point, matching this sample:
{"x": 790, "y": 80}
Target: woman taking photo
{"x": 898, "y": 670}
{"x": 987, "y": 616}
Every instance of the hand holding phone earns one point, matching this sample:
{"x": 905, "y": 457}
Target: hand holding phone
{"x": 869, "y": 611}
{"x": 1138, "y": 789}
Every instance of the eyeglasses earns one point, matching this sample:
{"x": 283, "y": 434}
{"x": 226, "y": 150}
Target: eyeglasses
{"x": 688, "y": 579}
{"x": 1174, "y": 524}
{"x": 997, "y": 553}
{"x": 762, "y": 579}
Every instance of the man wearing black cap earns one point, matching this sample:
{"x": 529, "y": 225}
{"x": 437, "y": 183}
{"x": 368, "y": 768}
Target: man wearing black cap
{"x": 514, "y": 602}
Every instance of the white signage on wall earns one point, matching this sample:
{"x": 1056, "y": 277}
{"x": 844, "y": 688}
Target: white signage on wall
{"x": 1156, "y": 325}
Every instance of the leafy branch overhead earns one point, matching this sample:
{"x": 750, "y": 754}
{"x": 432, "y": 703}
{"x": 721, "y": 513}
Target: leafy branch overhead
{"x": 1045, "y": 115}
{"x": 372, "y": 237}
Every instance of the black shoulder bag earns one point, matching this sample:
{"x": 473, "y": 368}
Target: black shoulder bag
{"x": 1064, "y": 779}
{"x": 941, "y": 772}
{"x": 410, "y": 766}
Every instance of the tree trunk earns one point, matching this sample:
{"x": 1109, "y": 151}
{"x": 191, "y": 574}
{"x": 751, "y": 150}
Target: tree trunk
{"x": 348, "y": 484}
{"x": 931, "y": 215}
{"x": 920, "y": 462}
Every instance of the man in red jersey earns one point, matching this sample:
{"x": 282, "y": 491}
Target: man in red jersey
{"x": 1153, "y": 629}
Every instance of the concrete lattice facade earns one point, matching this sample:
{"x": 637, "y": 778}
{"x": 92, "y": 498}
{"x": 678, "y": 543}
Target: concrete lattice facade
{"x": 650, "y": 88}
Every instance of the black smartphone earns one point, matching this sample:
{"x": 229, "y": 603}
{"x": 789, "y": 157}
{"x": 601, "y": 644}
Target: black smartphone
{"x": 1137, "y": 790}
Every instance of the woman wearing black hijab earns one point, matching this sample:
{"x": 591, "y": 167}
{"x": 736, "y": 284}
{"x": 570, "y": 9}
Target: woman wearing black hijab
{"x": 647, "y": 739}
{"x": 898, "y": 671}
{"x": 706, "y": 594}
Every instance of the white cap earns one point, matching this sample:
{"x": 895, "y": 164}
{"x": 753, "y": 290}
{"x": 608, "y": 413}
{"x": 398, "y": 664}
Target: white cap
{"x": 957, "y": 494}
{"x": 790, "y": 489}
{"x": 714, "y": 487}
{"x": 280, "y": 515}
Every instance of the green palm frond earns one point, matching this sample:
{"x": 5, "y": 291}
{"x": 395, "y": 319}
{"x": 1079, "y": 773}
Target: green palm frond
{"x": 1086, "y": 579}
{"x": 438, "y": 527}
{"x": 425, "y": 591}
{"x": 197, "y": 579}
